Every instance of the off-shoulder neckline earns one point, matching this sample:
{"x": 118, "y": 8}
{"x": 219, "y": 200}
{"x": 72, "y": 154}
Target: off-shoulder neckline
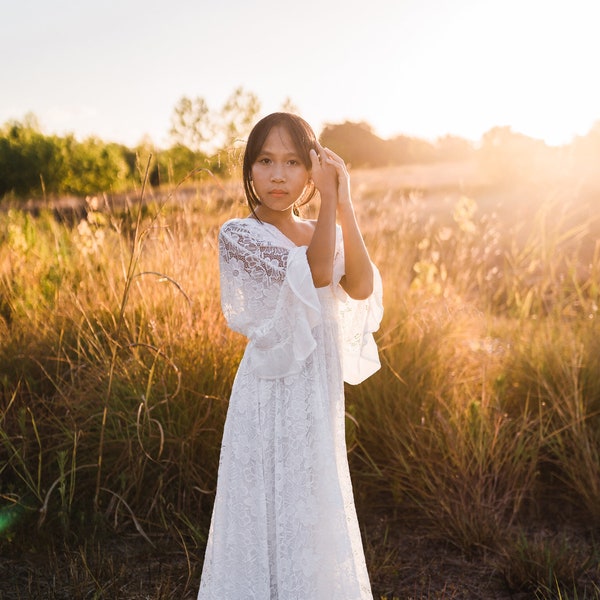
{"x": 272, "y": 227}
{"x": 251, "y": 219}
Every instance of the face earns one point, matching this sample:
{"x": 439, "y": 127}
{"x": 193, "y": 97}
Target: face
{"x": 279, "y": 176}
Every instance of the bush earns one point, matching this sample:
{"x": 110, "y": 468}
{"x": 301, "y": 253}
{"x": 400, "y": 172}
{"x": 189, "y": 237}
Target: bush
{"x": 34, "y": 164}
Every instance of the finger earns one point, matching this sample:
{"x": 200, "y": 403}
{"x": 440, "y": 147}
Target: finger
{"x": 331, "y": 158}
{"x": 314, "y": 158}
{"x": 322, "y": 153}
{"x": 331, "y": 154}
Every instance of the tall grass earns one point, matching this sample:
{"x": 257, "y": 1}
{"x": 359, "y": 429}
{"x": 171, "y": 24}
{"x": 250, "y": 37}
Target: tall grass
{"x": 115, "y": 377}
{"x": 483, "y": 424}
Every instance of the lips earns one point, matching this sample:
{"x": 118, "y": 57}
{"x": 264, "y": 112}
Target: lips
{"x": 278, "y": 192}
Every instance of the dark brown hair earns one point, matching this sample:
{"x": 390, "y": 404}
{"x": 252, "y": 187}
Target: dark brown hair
{"x": 303, "y": 138}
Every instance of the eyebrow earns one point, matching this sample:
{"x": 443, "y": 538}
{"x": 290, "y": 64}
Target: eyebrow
{"x": 271, "y": 153}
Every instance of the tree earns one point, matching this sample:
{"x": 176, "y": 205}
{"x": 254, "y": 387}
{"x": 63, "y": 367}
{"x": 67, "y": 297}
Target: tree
{"x": 197, "y": 127}
{"x": 587, "y": 147}
{"x": 403, "y": 149}
{"x": 451, "y": 147}
{"x": 95, "y": 166}
{"x": 586, "y": 155}
{"x": 508, "y": 156}
{"x": 30, "y": 162}
{"x": 356, "y": 144}
{"x": 289, "y": 106}
{"x": 238, "y": 115}
{"x": 191, "y": 123}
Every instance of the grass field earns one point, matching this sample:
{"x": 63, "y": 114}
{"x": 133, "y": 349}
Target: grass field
{"x": 475, "y": 451}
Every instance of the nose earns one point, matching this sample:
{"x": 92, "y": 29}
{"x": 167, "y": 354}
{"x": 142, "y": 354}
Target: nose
{"x": 277, "y": 174}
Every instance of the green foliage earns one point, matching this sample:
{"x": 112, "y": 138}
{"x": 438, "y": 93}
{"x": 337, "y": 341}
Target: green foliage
{"x": 95, "y": 166}
{"x": 179, "y": 163}
{"x": 35, "y": 164}
{"x": 32, "y": 163}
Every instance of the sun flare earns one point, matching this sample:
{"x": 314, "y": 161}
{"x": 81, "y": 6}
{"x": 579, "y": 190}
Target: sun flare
{"x": 527, "y": 65}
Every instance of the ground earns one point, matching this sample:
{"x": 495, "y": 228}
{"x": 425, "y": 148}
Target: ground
{"x": 411, "y": 565}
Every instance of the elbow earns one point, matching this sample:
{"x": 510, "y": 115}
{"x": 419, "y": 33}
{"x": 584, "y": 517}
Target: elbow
{"x": 322, "y": 277}
{"x": 361, "y": 293}
{"x": 322, "y": 281}
{"x": 360, "y": 290}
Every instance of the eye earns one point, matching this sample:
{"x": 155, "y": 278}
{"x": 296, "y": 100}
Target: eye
{"x": 264, "y": 161}
{"x": 293, "y": 162}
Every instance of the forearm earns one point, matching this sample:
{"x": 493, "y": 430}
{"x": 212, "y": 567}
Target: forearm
{"x": 358, "y": 278}
{"x": 321, "y": 250}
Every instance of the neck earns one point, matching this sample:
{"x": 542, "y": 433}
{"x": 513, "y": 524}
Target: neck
{"x": 275, "y": 217}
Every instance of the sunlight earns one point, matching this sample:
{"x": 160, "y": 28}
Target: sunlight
{"x": 527, "y": 65}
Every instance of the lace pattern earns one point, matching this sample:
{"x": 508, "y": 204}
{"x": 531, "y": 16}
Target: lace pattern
{"x": 284, "y": 525}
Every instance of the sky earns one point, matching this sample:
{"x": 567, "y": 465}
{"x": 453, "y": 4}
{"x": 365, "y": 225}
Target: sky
{"x": 424, "y": 68}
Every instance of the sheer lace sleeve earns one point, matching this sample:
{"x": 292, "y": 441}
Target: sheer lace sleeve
{"x": 358, "y": 320}
{"x": 267, "y": 294}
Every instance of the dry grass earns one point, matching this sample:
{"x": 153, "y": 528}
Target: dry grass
{"x": 477, "y": 443}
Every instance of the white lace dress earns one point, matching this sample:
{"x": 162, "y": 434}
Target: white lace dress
{"x": 284, "y": 525}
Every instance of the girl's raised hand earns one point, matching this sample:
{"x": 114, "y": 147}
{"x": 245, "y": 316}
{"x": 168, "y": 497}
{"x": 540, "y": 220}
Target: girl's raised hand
{"x": 326, "y": 159}
{"x": 324, "y": 173}
{"x": 343, "y": 177}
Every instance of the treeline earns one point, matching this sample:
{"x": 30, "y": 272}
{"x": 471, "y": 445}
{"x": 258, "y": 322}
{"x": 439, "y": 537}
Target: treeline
{"x": 361, "y": 147}
{"x": 33, "y": 164}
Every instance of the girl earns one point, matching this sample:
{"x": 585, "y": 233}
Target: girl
{"x": 308, "y": 298}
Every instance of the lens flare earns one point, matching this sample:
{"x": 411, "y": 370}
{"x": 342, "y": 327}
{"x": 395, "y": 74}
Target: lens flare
{"x": 9, "y": 515}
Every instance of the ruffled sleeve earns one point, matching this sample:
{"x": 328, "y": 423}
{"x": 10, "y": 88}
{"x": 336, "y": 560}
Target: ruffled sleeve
{"x": 267, "y": 294}
{"x": 358, "y": 320}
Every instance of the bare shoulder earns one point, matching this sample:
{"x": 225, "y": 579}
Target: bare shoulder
{"x": 303, "y": 232}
